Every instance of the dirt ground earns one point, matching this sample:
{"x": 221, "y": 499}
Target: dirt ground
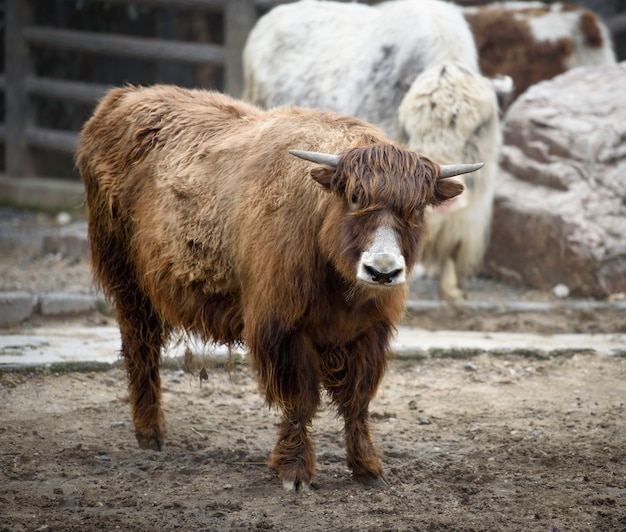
{"x": 482, "y": 443}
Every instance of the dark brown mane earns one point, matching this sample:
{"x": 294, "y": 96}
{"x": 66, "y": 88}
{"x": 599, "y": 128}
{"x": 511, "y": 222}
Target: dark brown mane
{"x": 387, "y": 175}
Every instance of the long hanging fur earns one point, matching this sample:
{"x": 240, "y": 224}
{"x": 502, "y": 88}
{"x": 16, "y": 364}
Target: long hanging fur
{"x": 200, "y": 219}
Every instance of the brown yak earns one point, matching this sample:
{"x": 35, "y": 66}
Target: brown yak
{"x": 200, "y": 219}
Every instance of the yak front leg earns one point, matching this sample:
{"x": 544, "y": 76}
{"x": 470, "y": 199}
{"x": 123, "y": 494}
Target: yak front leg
{"x": 352, "y": 376}
{"x": 362, "y": 456}
{"x": 288, "y": 373}
{"x": 294, "y": 454}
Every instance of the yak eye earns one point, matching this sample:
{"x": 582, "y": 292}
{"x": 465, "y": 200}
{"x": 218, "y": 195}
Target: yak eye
{"x": 354, "y": 202}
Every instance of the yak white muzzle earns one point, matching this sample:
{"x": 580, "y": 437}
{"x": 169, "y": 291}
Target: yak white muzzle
{"x": 382, "y": 263}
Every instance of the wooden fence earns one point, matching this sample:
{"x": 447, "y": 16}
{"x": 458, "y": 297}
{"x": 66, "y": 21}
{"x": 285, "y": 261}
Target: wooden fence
{"x": 21, "y": 133}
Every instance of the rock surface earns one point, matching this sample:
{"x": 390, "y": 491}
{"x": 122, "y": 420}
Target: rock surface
{"x": 560, "y": 208}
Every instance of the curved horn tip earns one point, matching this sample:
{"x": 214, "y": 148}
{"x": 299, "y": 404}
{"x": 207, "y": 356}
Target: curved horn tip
{"x": 450, "y": 170}
{"x": 316, "y": 157}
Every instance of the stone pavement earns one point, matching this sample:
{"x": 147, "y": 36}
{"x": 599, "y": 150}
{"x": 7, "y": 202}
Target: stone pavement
{"x": 43, "y": 346}
{"x": 15, "y": 307}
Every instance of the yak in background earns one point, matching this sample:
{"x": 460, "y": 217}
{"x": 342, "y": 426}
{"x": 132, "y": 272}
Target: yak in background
{"x": 535, "y": 41}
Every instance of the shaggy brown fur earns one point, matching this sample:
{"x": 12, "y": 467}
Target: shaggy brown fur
{"x": 200, "y": 219}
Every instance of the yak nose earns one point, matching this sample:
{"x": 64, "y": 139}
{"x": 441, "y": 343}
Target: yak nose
{"x": 382, "y": 263}
{"x": 382, "y": 277}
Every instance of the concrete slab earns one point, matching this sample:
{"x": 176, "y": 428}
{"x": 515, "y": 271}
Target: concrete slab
{"x": 44, "y": 346}
{"x": 56, "y": 303}
{"x": 47, "y": 193}
{"x": 418, "y": 341}
{"x": 67, "y": 241}
{"x": 15, "y": 306}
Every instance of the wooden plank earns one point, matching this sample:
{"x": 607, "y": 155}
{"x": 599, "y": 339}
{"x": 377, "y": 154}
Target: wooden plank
{"x": 117, "y": 45}
{"x": 266, "y": 5}
{"x": 43, "y": 193}
{"x": 76, "y": 91}
{"x": 17, "y": 111}
{"x": 239, "y": 18}
{"x": 52, "y": 139}
{"x": 204, "y": 5}
{"x": 200, "y": 5}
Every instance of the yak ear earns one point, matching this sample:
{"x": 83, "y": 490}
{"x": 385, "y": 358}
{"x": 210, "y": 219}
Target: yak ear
{"x": 323, "y": 175}
{"x": 503, "y": 87}
{"x": 446, "y": 189}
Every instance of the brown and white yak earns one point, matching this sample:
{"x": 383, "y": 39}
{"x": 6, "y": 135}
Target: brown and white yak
{"x": 535, "y": 41}
{"x": 200, "y": 219}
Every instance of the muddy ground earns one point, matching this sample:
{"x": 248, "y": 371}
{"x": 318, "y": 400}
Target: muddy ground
{"x": 482, "y": 443}
{"x": 489, "y": 443}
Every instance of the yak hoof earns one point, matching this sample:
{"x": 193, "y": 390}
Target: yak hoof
{"x": 298, "y": 485}
{"x": 372, "y": 481}
{"x": 149, "y": 442}
{"x": 453, "y": 296}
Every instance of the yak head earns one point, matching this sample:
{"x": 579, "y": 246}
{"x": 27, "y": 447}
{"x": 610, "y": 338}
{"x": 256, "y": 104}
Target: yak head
{"x": 374, "y": 233}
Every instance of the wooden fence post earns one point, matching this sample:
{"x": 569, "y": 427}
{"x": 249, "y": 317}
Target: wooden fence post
{"x": 239, "y": 18}
{"x": 17, "y": 67}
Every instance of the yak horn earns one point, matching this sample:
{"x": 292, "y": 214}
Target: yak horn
{"x": 317, "y": 157}
{"x": 449, "y": 170}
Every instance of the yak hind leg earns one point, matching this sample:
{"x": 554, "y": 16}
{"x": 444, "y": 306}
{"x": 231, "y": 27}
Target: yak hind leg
{"x": 352, "y": 376}
{"x": 449, "y": 289}
{"x": 143, "y": 335}
{"x": 288, "y": 374}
